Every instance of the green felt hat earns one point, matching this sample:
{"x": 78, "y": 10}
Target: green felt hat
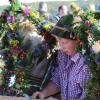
{"x": 65, "y": 25}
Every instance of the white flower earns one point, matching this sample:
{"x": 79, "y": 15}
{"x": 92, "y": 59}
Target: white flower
{"x": 12, "y": 80}
{"x": 96, "y": 47}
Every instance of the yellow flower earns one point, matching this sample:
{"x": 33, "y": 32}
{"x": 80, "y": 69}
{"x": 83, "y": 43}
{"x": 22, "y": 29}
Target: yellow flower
{"x": 95, "y": 21}
{"x": 80, "y": 12}
{"x": 11, "y": 13}
{"x": 34, "y": 14}
{"x": 2, "y": 63}
{"x": 12, "y": 26}
{"x": 16, "y": 42}
{"x": 13, "y": 42}
{"x": 48, "y": 26}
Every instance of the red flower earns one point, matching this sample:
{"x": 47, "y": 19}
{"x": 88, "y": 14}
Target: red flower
{"x": 22, "y": 55}
{"x": 87, "y": 23}
{"x": 21, "y": 69}
{"x": 4, "y": 13}
{"x": 12, "y": 72}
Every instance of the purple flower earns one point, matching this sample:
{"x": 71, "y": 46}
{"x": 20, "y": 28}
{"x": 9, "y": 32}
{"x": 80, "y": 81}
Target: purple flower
{"x": 26, "y": 11}
{"x": 4, "y": 13}
{"x": 97, "y": 59}
{"x": 11, "y": 19}
{"x": 10, "y": 36}
{"x": 45, "y": 47}
{"x": 37, "y": 52}
{"x": 22, "y": 63}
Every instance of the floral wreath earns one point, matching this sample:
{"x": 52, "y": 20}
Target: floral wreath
{"x": 16, "y": 60}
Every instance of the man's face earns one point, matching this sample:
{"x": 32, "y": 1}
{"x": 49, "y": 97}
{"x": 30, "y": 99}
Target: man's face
{"x": 63, "y": 11}
{"x": 68, "y": 46}
{"x": 44, "y": 8}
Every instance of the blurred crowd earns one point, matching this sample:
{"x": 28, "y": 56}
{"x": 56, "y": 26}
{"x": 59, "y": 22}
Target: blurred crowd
{"x": 62, "y": 10}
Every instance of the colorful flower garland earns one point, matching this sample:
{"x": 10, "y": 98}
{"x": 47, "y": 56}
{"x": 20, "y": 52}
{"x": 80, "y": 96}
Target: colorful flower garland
{"x": 16, "y": 76}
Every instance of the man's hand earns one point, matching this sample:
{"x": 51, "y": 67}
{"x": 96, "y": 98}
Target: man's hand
{"x": 49, "y": 90}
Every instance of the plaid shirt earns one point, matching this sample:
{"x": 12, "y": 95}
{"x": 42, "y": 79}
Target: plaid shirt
{"x": 71, "y": 76}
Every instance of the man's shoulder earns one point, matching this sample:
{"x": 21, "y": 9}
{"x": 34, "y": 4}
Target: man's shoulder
{"x": 55, "y": 18}
{"x": 83, "y": 63}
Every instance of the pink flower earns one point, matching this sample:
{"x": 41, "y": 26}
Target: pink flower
{"x": 88, "y": 31}
{"x": 26, "y": 11}
{"x": 87, "y": 23}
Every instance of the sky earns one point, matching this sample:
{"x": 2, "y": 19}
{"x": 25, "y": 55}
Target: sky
{"x": 6, "y": 2}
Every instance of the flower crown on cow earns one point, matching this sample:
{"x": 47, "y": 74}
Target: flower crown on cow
{"x": 16, "y": 21}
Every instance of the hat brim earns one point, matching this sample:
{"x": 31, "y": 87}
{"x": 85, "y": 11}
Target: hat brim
{"x": 56, "y": 30}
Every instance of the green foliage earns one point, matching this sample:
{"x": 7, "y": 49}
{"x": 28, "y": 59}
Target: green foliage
{"x": 90, "y": 26}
